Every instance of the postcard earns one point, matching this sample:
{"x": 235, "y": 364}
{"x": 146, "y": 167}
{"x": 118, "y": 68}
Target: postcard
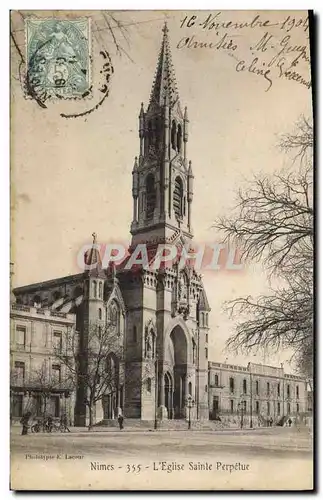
{"x": 161, "y": 309}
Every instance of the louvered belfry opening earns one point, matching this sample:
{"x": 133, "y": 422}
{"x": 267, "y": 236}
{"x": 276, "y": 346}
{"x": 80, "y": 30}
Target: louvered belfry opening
{"x": 150, "y": 196}
{"x": 178, "y": 198}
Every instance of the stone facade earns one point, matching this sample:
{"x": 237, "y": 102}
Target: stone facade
{"x": 38, "y": 380}
{"x": 161, "y": 314}
{"x": 266, "y": 392}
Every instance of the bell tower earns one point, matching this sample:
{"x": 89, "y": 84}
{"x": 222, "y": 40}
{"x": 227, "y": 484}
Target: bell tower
{"x": 166, "y": 344}
{"x": 162, "y": 176}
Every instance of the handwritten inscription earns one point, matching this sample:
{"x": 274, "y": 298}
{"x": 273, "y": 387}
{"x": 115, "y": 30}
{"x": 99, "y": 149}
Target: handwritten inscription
{"x": 275, "y": 52}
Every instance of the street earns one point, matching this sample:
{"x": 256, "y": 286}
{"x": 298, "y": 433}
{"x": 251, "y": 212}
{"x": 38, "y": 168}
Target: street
{"x": 275, "y": 458}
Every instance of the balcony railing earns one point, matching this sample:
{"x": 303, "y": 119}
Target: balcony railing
{"x": 58, "y": 314}
{"x": 41, "y": 311}
{"x": 20, "y": 307}
{"x": 29, "y": 385}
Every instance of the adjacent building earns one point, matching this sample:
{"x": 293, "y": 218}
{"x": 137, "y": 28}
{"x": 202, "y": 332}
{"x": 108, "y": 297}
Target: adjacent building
{"x": 38, "y": 381}
{"x": 264, "y": 392}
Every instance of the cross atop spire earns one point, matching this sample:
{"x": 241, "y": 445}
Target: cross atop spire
{"x": 164, "y": 86}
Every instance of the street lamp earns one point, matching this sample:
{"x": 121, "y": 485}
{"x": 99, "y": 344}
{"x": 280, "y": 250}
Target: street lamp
{"x": 241, "y": 408}
{"x": 190, "y": 404}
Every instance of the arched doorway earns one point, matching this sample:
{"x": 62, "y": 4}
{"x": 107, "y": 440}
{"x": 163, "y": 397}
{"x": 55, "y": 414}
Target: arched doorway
{"x": 179, "y": 361}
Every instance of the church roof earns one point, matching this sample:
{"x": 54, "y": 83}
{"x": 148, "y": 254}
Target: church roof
{"x": 164, "y": 86}
{"x": 203, "y": 303}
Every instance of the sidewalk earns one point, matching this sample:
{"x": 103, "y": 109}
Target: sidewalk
{"x": 16, "y": 429}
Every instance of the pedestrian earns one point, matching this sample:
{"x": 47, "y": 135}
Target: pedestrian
{"x": 50, "y": 423}
{"x": 120, "y": 421}
{"x": 64, "y": 423}
{"x": 290, "y": 422}
{"x": 25, "y": 423}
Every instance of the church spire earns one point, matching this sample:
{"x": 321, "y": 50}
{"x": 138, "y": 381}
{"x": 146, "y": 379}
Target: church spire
{"x": 164, "y": 86}
{"x": 92, "y": 259}
{"x": 162, "y": 184}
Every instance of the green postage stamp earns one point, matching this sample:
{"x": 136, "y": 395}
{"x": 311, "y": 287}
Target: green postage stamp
{"x": 58, "y": 57}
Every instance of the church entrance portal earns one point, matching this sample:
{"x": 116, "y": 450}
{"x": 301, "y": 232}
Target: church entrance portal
{"x": 175, "y": 382}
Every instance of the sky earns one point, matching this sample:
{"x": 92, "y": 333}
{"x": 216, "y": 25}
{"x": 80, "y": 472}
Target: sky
{"x": 70, "y": 177}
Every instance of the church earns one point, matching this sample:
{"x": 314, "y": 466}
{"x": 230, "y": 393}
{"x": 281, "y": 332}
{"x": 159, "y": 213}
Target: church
{"x": 161, "y": 314}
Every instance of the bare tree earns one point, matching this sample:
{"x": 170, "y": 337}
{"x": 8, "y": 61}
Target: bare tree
{"x": 93, "y": 362}
{"x": 41, "y": 382}
{"x": 273, "y": 223}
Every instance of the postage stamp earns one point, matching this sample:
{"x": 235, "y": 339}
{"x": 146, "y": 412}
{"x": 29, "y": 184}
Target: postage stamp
{"x": 58, "y": 57}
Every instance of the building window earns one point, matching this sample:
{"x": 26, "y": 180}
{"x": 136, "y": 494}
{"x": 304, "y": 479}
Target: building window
{"x": 268, "y": 388}
{"x": 57, "y": 341}
{"x": 100, "y": 290}
{"x": 21, "y": 336}
{"x": 178, "y": 198}
{"x": 149, "y": 385}
{"x": 206, "y": 388}
{"x": 114, "y": 316}
{"x": 288, "y": 408}
{"x": 278, "y": 389}
{"x": 54, "y": 406}
{"x": 179, "y": 138}
{"x": 157, "y": 130}
{"x": 245, "y": 406}
{"x": 268, "y": 408}
{"x": 150, "y": 133}
{"x": 206, "y": 353}
{"x": 207, "y": 320}
{"x": 278, "y": 409}
{"x": 134, "y": 334}
{"x": 231, "y": 405}
{"x": 257, "y": 407}
{"x": 150, "y": 196}
{"x": 38, "y": 404}
{"x": 297, "y": 408}
{"x": 206, "y": 338}
{"x": 173, "y": 135}
{"x": 193, "y": 351}
{"x": 244, "y": 384}
{"x": 56, "y": 374}
{"x": 216, "y": 380}
{"x": 288, "y": 391}
{"x": 257, "y": 387}
{"x": 20, "y": 372}
{"x": 297, "y": 392}
{"x": 100, "y": 313}
{"x": 215, "y": 404}
{"x": 17, "y": 405}
{"x": 231, "y": 383}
